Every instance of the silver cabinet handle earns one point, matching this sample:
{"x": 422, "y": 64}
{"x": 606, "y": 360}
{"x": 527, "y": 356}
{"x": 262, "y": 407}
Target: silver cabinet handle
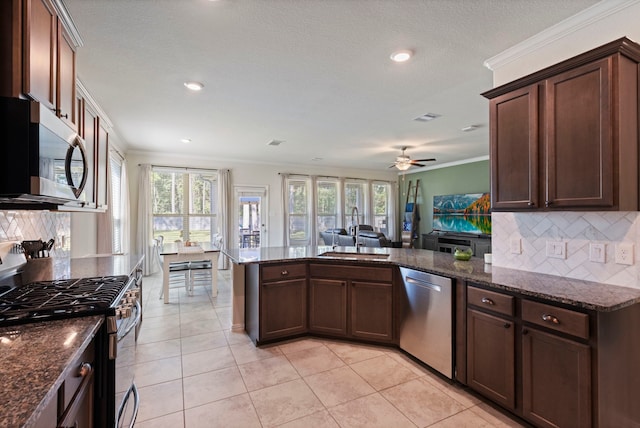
{"x": 284, "y": 272}
{"x": 487, "y": 301}
{"x": 550, "y": 318}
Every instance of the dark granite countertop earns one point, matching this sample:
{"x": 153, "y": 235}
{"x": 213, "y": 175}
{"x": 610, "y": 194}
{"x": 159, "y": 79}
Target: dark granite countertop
{"x": 34, "y": 360}
{"x": 85, "y": 267}
{"x": 583, "y": 294}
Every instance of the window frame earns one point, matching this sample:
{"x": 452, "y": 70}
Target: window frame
{"x": 185, "y": 212}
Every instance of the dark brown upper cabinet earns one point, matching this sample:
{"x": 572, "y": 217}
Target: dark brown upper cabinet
{"x": 566, "y": 137}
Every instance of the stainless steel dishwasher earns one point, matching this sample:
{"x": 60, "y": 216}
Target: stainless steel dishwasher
{"x": 427, "y": 319}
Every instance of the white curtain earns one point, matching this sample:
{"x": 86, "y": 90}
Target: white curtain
{"x": 284, "y": 180}
{"x": 224, "y": 213}
{"x": 124, "y": 206}
{"x": 313, "y": 211}
{"x": 105, "y": 220}
{"x": 144, "y": 235}
{"x": 392, "y": 227}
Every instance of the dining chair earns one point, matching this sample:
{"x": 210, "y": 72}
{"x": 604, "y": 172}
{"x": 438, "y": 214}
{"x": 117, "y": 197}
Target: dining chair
{"x": 179, "y": 272}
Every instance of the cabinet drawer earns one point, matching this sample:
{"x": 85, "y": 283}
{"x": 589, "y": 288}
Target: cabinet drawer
{"x": 74, "y": 380}
{"x": 490, "y": 300}
{"x": 285, "y": 271}
{"x": 345, "y": 272}
{"x": 564, "y": 320}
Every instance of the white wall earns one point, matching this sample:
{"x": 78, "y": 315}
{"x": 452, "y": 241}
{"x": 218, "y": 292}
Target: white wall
{"x": 590, "y": 29}
{"x": 242, "y": 174}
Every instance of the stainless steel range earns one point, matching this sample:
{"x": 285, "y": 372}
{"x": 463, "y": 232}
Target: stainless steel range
{"x": 48, "y": 300}
{"x": 115, "y": 297}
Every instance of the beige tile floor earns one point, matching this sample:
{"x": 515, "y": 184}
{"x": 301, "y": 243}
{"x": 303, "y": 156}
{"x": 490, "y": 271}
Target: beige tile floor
{"x": 192, "y": 371}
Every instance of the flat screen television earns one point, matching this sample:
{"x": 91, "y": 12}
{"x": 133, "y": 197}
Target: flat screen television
{"x": 463, "y": 213}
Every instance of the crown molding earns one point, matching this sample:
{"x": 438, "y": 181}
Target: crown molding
{"x": 570, "y": 25}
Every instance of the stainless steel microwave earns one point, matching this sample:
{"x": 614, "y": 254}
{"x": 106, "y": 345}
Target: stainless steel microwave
{"x": 43, "y": 163}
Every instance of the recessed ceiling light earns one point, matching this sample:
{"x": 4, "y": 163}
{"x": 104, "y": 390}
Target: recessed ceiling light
{"x": 275, "y": 142}
{"x": 427, "y": 117}
{"x": 185, "y": 140}
{"x": 470, "y": 128}
{"x": 402, "y": 55}
{"x": 194, "y": 86}
{"x": 316, "y": 159}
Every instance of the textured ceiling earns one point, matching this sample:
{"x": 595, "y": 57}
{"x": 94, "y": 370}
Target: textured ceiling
{"x": 314, "y": 73}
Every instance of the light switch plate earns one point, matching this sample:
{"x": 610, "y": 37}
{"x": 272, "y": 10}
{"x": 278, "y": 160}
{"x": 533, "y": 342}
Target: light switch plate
{"x": 557, "y": 249}
{"x": 624, "y": 254}
{"x": 515, "y": 246}
{"x": 597, "y": 252}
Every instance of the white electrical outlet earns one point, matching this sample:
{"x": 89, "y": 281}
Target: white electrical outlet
{"x": 597, "y": 252}
{"x": 624, "y": 254}
{"x": 516, "y": 246}
{"x": 557, "y": 249}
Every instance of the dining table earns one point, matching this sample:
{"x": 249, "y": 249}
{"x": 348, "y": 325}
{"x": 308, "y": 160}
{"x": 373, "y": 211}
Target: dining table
{"x": 177, "y": 252}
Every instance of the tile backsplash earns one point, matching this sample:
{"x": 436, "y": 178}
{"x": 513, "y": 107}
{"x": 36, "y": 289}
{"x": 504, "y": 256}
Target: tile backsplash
{"x": 529, "y": 233}
{"x": 33, "y": 225}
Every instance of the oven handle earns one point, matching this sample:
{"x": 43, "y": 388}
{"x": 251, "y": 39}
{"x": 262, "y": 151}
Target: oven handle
{"x": 135, "y": 322}
{"x": 133, "y": 389}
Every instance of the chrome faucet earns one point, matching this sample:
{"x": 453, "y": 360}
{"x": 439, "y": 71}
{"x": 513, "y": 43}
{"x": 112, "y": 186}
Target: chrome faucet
{"x": 357, "y": 227}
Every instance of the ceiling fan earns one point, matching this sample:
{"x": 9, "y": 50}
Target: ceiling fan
{"x": 404, "y": 162}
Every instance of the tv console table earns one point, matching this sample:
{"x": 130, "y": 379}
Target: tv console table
{"x": 446, "y": 242}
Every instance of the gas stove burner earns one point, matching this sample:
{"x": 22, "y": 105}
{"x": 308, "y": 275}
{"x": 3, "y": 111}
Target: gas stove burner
{"x": 56, "y": 299}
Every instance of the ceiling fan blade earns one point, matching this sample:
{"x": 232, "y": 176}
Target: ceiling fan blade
{"x": 393, "y": 166}
{"x": 423, "y": 160}
{"x": 416, "y": 164}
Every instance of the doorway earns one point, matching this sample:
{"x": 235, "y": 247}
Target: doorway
{"x": 251, "y": 227}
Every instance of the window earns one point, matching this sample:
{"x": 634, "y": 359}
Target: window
{"x": 354, "y": 196}
{"x": 298, "y": 212}
{"x": 316, "y": 204}
{"x": 327, "y": 205}
{"x": 382, "y": 206}
{"x": 115, "y": 163}
{"x": 184, "y": 204}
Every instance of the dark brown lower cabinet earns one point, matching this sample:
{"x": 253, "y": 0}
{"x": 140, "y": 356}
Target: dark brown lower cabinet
{"x": 328, "y": 306}
{"x": 283, "y": 308}
{"x": 556, "y": 380}
{"x": 372, "y": 310}
{"x": 491, "y": 357}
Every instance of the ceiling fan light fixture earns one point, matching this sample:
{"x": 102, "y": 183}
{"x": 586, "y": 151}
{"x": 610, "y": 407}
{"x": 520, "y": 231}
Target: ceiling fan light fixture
{"x": 194, "y": 86}
{"x": 402, "y": 55}
{"x": 403, "y": 166}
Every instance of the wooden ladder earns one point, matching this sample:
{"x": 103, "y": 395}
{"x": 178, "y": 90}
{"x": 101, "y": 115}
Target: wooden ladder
{"x": 411, "y": 219}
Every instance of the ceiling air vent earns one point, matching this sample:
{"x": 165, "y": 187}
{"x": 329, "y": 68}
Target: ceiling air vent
{"x": 427, "y": 117}
{"x": 275, "y": 142}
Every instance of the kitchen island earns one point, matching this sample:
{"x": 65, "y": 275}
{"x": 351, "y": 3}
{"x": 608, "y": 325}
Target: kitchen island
{"x": 543, "y": 347}
{"x": 579, "y": 293}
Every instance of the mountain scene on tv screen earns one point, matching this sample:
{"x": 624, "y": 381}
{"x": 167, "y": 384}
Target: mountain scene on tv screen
{"x": 465, "y": 213}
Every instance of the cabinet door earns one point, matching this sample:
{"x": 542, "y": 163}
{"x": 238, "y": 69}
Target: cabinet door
{"x": 66, "y": 78}
{"x": 556, "y": 380}
{"x": 491, "y": 357}
{"x": 88, "y": 132}
{"x": 514, "y": 149}
{"x": 372, "y": 310}
{"x": 328, "y": 306}
{"x": 579, "y": 144}
{"x": 102, "y": 169}
{"x": 283, "y": 308}
{"x": 40, "y": 32}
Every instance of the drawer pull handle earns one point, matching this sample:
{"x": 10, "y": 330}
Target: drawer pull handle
{"x": 487, "y": 301}
{"x": 530, "y": 203}
{"x": 284, "y": 272}
{"x": 550, "y": 318}
{"x": 85, "y": 370}
{"x": 507, "y": 325}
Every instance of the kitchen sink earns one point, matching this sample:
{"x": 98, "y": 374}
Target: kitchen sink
{"x": 348, "y": 255}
